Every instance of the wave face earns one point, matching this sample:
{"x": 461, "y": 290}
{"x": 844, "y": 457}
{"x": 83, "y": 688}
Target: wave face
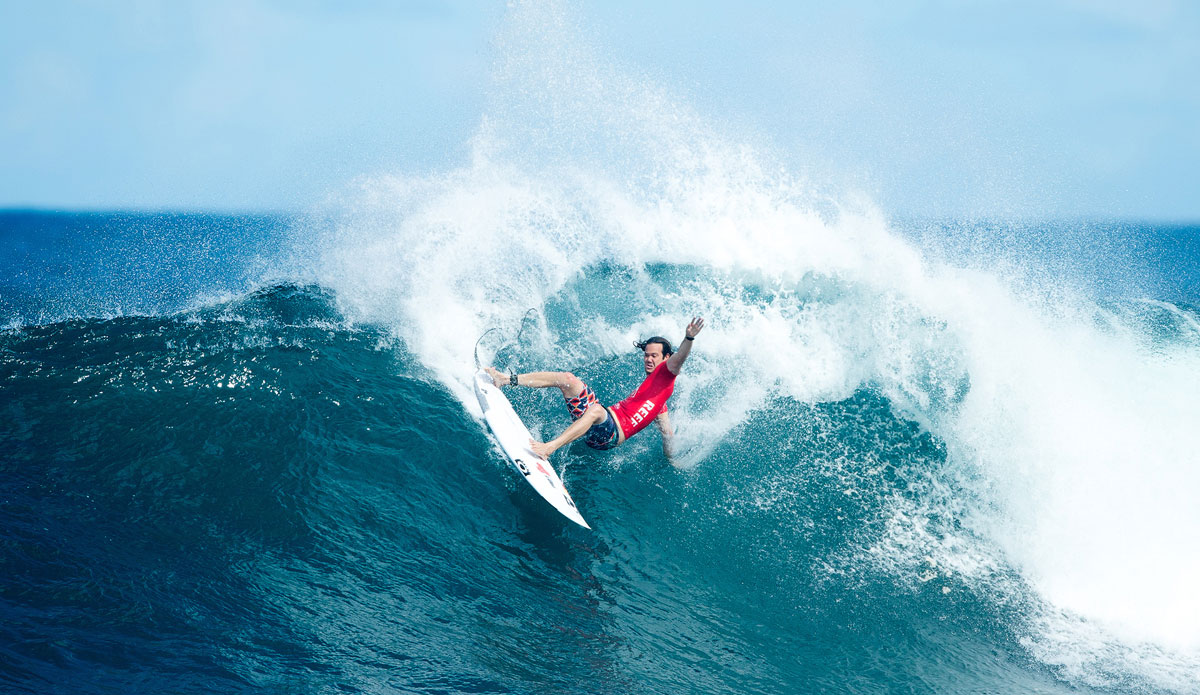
{"x": 262, "y": 494}
{"x": 242, "y": 453}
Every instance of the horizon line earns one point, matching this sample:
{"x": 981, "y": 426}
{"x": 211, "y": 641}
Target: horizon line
{"x": 898, "y": 218}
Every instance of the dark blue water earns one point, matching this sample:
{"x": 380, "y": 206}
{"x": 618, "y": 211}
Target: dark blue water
{"x": 101, "y": 264}
{"x": 212, "y": 480}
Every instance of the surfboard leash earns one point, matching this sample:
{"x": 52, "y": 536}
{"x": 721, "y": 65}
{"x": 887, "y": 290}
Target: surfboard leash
{"x": 477, "y": 342}
{"x": 520, "y": 332}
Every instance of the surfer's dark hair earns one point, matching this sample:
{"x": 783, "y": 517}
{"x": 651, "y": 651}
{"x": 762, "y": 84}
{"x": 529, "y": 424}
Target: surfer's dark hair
{"x": 666, "y": 344}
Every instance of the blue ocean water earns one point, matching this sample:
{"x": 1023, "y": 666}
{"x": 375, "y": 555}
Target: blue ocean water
{"x": 214, "y": 480}
{"x": 241, "y": 453}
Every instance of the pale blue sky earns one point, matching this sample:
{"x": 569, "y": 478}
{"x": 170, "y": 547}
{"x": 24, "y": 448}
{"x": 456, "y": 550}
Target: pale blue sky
{"x": 1056, "y": 108}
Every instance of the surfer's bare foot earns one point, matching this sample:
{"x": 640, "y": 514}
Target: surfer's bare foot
{"x": 498, "y": 378}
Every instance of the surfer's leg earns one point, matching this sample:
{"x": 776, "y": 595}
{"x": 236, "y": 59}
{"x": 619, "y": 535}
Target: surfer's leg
{"x": 594, "y": 414}
{"x": 570, "y": 384}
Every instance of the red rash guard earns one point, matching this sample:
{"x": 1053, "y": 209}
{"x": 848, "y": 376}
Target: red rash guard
{"x": 635, "y": 412}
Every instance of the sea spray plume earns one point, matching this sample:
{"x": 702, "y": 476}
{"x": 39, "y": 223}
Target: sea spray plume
{"x": 499, "y": 225}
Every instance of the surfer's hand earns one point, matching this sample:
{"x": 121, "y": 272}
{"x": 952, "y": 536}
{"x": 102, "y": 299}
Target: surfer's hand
{"x": 498, "y": 378}
{"x": 694, "y": 327}
{"x": 541, "y": 448}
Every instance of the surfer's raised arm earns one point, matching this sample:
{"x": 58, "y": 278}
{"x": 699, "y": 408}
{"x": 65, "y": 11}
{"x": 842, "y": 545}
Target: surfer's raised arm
{"x": 675, "y": 361}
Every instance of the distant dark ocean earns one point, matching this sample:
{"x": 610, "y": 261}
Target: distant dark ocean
{"x": 241, "y": 453}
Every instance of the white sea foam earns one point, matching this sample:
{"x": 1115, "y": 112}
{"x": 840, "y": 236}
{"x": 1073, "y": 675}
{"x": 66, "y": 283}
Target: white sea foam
{"x": 1072, "y": 444}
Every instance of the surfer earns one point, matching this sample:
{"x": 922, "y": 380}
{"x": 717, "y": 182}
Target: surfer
{"x": 607, "y": 427}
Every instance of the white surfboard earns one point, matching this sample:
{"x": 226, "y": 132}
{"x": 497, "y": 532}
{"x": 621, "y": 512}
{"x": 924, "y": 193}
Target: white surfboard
{"x": 514, "y": 438}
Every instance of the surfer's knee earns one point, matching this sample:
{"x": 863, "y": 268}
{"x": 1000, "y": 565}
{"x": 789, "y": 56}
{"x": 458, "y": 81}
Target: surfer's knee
{"x": 595, "y": 413}
{"x": 570, "y": 384}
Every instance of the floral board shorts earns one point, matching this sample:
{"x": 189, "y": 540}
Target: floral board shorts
{"x": 602, "y": 435}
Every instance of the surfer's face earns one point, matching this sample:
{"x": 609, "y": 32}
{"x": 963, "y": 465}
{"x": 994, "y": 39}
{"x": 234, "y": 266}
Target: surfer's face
{"x": 652, "y": 355}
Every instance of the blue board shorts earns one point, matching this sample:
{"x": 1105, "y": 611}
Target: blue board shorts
{"x": 602, "y": 435}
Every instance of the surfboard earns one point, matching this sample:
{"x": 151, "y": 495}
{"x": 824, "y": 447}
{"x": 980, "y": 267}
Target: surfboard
{"x": 513, "y": 437}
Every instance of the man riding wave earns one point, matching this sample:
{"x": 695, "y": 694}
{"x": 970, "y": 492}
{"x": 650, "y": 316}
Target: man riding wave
{"x": 607, "y": 427}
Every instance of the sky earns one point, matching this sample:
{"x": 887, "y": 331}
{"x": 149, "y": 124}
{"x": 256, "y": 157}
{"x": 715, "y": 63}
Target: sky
{"x": 1060, "y": 108}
